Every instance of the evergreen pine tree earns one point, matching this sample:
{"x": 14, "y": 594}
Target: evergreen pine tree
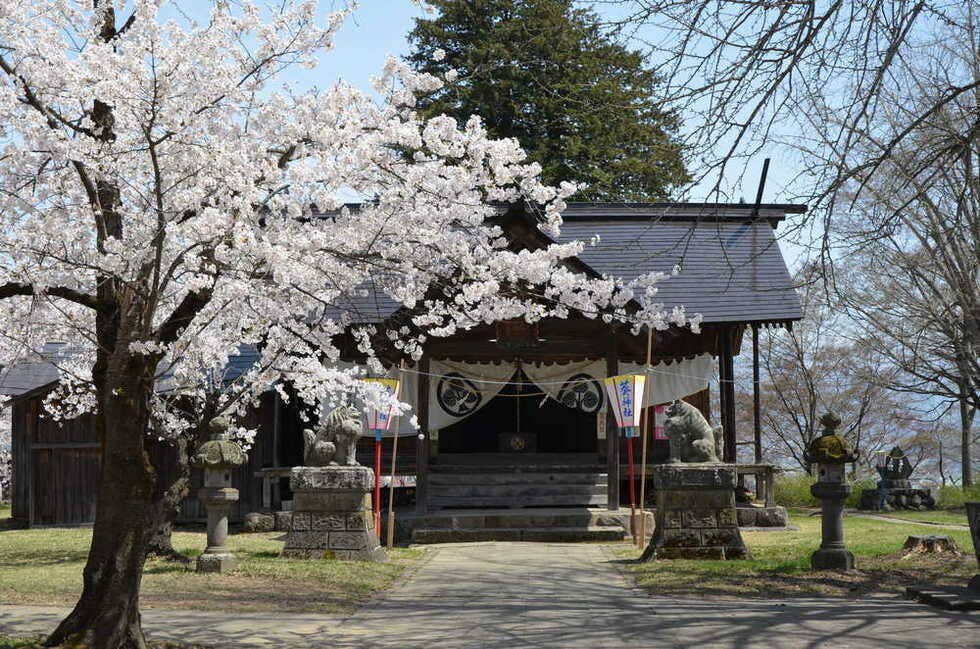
{"x": 545, "y": 72}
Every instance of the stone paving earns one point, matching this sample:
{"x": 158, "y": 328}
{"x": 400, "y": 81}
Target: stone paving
{"x": 904, "y": 521}
{"x": 536, "y": 595}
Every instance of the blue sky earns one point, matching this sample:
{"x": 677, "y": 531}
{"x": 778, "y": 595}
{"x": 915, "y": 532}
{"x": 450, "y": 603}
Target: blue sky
{"x": 375, "y": 31}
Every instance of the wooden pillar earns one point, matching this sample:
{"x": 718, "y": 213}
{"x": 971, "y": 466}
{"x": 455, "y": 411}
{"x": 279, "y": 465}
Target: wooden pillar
{"x": 727, "y": 394}
{"x": 722, "y": 395}
{"x": 422, "y": 448}
{"x": 756, "y": 397}
{"x": 612, "y": 431}
{"x": 274, "y": 483}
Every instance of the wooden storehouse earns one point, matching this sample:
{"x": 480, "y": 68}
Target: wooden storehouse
{"x": 510, "y": 415}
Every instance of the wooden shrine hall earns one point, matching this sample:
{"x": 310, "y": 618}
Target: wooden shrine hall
{"x": 512, "y": 417}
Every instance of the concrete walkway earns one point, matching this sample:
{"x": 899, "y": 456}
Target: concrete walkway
{"x": 905, "y": 521}
{"x": 515, "y": 595}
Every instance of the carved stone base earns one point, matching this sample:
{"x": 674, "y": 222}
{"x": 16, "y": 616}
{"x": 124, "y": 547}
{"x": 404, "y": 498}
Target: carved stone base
{"x": 696, "y": 517}
{"x": 217, "y": 560}
{"x": 762, "y": 516}
{"x": 832, "y": 559}
{"x": 329, "y": 519}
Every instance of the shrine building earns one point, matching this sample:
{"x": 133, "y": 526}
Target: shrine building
{"x": 512, "y": 418}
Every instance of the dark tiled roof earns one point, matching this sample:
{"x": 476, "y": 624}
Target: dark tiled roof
{"x": 731, "y": 268}
{"x": 370, "y": 304}
{"x": 43, "y": 369}
{"x": 773, "y": 212}
{"x": 35, "y": 371}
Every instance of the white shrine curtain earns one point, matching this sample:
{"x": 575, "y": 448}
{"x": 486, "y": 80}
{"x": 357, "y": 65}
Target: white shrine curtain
{"x": 459, "y": 390}
{"x": 674, "y": 381}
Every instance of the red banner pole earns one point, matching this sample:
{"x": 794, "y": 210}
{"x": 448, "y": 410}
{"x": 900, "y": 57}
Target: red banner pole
{"x": 377, "y": 483}
{"x": 632, "y": 477}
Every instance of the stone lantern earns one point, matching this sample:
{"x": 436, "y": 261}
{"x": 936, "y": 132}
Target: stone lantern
{"x": 218, "y": 457}
{"x": 830, "y": 453}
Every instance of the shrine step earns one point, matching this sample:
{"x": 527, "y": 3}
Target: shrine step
{"x": 580, "y": 517}
{"x": 457, "y": 486}
{"x": 546, "y": 534}
{"x": 518, "y": 500}
{"x": 440, "y": 478}
{"x": 497, "y": 461}
{"x": 518, "y": 490}
{"x": 494, "y": 524}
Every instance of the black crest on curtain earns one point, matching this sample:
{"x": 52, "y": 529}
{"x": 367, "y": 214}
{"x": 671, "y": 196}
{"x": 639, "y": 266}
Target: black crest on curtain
{"x": 581, "y": 392}
{"x": 457, "y": 396}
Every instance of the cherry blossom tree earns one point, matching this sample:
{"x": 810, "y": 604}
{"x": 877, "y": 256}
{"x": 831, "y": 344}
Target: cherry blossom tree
{"x": 166, "y": 198}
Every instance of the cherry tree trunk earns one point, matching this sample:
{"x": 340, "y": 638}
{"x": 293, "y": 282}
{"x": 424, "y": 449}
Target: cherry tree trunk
{"x": 172, "y": 461}
{"x": 966, "y": 426}
{"x": 107, "y": 613}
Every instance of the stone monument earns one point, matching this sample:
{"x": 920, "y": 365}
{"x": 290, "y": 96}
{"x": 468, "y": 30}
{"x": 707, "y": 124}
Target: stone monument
{"x": 973, "y": 513}
{"x": 218, "y": 457}
{"x": 895, "y": 490}
{"x": 830, "y": 453}
{"x": 695, "y": 492}
{"x": 329, "y": 518}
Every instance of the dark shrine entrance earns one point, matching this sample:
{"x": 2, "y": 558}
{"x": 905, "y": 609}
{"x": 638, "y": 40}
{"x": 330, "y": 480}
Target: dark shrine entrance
{"x": 522, "y": 420}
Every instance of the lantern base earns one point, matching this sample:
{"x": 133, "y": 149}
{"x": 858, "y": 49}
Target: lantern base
{"x": 832, "y": 559}
{"x": 696, "y": 516}
{"x": 329, "y": 519}
{"x": 217, "y": 560}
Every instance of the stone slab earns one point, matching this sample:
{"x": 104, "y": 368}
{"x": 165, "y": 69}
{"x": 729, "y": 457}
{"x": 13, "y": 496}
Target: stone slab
{"x": 762, "y": 516}
{"x": 257, "y": 522}
{"x": 946, "y": 597}
{"x": 217, "y": 562}
{"x": 283, "y": 521}
{"x": 695, "y": 476}
{"x": 342, "y": 478}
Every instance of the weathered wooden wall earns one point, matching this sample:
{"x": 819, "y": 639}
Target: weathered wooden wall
{"x": 56, "y": 467}
{"x": 405, "y": 463}
{"x": 21, "y": 451}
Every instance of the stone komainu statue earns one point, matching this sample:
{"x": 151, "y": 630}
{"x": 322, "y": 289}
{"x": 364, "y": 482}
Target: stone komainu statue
{"x": 335, "y": 439}
{"x": 691, "y": 437}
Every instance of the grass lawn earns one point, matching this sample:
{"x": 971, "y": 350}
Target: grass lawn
{"x": 941, "y": 516}
{"x": 44, "y": 566}
{"x": 780, "y": 566}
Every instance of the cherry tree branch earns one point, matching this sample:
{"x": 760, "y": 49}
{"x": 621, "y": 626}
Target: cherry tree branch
{"x": 13, "y": 289}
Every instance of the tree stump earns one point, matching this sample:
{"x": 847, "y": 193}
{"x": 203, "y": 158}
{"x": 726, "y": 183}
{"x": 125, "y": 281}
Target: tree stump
{"x": 931, "y": 544}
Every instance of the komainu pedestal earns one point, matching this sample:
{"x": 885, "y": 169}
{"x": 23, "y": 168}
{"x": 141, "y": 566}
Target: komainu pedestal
{"x": 696, "y": 517}
{"x": 329, "y": 520}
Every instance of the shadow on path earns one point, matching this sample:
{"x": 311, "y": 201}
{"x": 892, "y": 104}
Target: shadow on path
{"x": 537, "y": 595}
